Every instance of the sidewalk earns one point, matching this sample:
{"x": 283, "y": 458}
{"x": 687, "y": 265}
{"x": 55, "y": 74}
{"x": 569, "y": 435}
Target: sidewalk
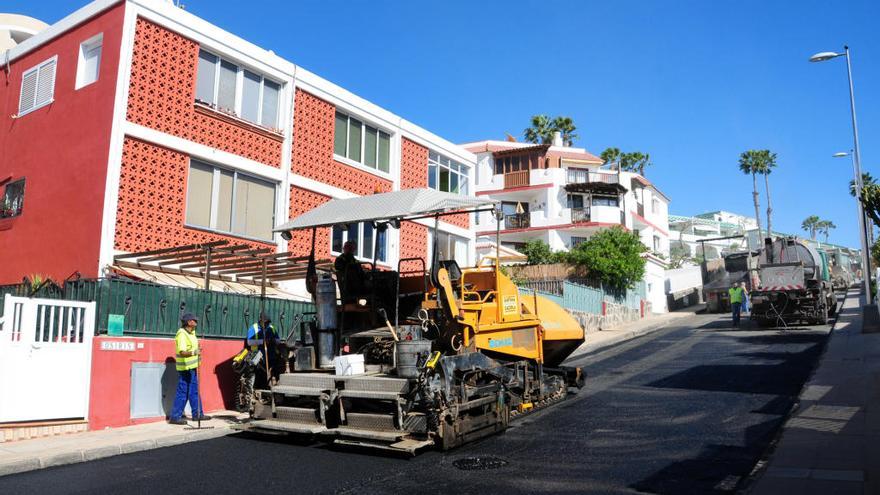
{"x": 28, "y": 455}
{"x": 831, "y": 442}
{"x": 597, "y": 341}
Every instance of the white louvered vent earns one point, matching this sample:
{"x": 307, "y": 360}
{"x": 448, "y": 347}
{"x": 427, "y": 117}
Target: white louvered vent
{"x": 37, "y": 87}
{"x": 28, "y": 92}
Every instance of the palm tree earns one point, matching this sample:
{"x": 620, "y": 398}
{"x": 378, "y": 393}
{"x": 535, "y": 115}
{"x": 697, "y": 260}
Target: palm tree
{"x": 811, "y": 225}
{"x": 751, "y": 162}
{"x": 825, "y": 227}
{"x": 541, "y": 131}
{"x": 611, "y": 155}
{"x": 768, "y": 161}
{"x": 635, "y": 161}
{"x": 565, "y": 126}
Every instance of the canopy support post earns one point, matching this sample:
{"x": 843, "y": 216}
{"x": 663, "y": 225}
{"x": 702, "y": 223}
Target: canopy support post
{"x": 208, "y": 268}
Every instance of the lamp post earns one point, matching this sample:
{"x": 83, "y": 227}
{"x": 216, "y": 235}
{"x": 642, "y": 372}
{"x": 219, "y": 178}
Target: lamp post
{"x": 866, "y": 263}
{"x": 857, "y": 182}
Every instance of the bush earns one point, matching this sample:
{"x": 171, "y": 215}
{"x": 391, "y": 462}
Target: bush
{"x": 538, "y": 252}
{"x": 613, "y": 256}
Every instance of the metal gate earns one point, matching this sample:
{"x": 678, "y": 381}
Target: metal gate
{"x": 45, "y": 358}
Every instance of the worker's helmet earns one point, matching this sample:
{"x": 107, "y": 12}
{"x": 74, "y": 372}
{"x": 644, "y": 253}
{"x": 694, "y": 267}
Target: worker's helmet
{"x": 187, "y": 317}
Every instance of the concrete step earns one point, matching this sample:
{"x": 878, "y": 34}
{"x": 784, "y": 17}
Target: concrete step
{"x": 11, "y": 432}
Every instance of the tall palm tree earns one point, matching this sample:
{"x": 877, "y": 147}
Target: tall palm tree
{"x": 565, "y": 126}
{"x": 635, "y": 161}
{"x": 750, "y": 162}
{"x": 611, "y": 155}
{"x": 768, "y": 161}
{"x": 825, "y": 227}
{"x": 541, "y": 131}
{"x": 811, "y": 225}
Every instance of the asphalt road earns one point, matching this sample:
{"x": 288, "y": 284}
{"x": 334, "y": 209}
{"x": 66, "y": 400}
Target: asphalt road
{"x": 687, "y": 409}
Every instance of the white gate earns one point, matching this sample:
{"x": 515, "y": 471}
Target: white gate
{"x": 45, "y": 359}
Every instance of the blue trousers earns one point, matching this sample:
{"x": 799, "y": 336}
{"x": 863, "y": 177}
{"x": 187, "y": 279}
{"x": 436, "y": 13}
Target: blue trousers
{"x": 737, "y": 308}
{"x": 187, "y": 389}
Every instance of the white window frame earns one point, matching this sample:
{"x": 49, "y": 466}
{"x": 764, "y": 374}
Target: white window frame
{"x": 655, "y": 206}
{"x": 360, "y": 243}
{"x": 96, "y": 41}
{"x": 464, "y": 171}
{"x": 215, "y": 197}
{"x": 360, "y": 164}
{"x": 239, "y": 89}
{"x": 36, "y": 68}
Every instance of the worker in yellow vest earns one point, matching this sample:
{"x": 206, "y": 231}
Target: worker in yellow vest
{"x": 737, "y": 294}
{"x": 187, "y": 356}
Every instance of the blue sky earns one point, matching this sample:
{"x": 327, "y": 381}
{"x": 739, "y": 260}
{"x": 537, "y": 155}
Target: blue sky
{"x": 693, "y": 83}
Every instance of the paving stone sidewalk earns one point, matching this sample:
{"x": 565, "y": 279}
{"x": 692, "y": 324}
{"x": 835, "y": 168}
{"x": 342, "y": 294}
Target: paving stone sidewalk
{"x": 831, "y": 442}
{"x": 28, "y": 455}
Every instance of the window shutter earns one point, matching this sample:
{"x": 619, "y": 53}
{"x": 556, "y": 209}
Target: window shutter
{"x": 45, "y": 84}
{"x": 28, "y": 92}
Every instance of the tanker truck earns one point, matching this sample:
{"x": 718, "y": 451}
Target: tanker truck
{"x": 794, "y": 285}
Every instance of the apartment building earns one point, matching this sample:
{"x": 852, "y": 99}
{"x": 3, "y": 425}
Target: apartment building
{"x": 135, "y": 125}
{"x": 563, "y": 195}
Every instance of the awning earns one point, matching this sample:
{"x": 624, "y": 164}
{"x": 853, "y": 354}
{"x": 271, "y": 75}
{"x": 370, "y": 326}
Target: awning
{"x": 408, "y": 204}
{"x": 595, "y": 187}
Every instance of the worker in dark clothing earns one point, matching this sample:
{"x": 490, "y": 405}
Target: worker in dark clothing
{"x": 349, "y": 273}
{"x": 262, "y": 337}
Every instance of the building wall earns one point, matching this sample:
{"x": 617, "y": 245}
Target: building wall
{"x": 162, "y": 97}
{"x": 61, "y": 150}
{"x": 152, "y": 200}
{"x": 111, "y": 387}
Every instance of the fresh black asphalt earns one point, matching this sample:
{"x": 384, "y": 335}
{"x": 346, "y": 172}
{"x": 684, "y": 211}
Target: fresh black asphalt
{"x": 687, "y": 409}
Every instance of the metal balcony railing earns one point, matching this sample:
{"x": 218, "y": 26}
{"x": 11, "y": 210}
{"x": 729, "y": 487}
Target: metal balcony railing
{"x": 578, "y": 176}
{"x": 518, "y": 221}
{"x": 580, "y": 215}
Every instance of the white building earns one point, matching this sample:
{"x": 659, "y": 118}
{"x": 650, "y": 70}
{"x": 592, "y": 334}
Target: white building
{"x": 562, "y": 195}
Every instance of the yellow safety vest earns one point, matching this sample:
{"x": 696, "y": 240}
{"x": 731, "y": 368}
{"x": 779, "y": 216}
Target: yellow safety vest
{"x": 186, "y": 342}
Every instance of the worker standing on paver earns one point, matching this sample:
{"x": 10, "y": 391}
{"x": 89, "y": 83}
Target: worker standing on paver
{"x": 262, "y": 337}
{"x": 736, "y": 294}
{"x": 188, "y": 358}
{"x": 349, "y": 272}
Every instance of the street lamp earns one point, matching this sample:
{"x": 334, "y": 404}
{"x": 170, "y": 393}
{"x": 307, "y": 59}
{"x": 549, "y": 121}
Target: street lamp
{"x": 866, "y": 263}
{"x": 857, "y": 183}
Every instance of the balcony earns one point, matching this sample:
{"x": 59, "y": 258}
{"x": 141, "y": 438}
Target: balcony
{"x": 580, "y": 215}
{"x": 518, "y": 221}
{"x": 516, "y": 179}
{"x": 580, "y": 176}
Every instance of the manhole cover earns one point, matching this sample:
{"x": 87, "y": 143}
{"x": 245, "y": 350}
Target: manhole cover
{"x": 479, "y": 463}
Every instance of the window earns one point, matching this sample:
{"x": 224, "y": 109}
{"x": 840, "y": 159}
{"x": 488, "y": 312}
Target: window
{"x": 361, "y": 143}
{"x": 452, "y": 247}
{"x": 447, "y": 175}
{"x": 655, "y": 206}
{"x": 605, "y": 201}
{"x": 229, "y": 201}
{"x": 575, "y": 201}
{"x": 89, "y": 64}
{"x": 576, "y": 241}
{"x": 37, "y": 87}
{"x": 365, "y": 236}
{"x": 232, "y": 89}
{"x": 656, "y": 243}
{"x": 13, "y": 199}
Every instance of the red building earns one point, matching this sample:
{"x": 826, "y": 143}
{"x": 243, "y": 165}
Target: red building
{"x": 134, "y": 125}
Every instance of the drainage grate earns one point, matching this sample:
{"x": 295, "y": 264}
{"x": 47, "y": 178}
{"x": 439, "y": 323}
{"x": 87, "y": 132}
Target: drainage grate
{"x": 479, "y": 463}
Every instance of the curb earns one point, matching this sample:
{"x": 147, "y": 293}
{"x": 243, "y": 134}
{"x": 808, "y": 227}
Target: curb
{"x": 37, "y": 461}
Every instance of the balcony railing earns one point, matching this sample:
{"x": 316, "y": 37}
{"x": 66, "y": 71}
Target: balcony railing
{"x": 578, "y": 176}
{"x": 579, "y": 215}
{"x": 516, "y": 179}
{"x": 518, "y": 221}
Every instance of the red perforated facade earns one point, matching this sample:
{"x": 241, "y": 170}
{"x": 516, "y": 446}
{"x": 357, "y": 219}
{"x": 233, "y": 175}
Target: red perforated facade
{"x": 152, "y": 198}
{"x": 301, "y": 201}
{"x": 162, "y": 97}
{"x": 313, "y": 149}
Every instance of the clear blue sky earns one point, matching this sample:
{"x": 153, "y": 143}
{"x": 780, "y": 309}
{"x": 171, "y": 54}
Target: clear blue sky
{"x": 694, "y": 83}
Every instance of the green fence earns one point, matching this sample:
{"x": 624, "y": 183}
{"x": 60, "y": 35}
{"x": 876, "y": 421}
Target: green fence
{"x": 525, "y": 292}
{"x": 149, "y": 309}
{"x": 581, "y": 297}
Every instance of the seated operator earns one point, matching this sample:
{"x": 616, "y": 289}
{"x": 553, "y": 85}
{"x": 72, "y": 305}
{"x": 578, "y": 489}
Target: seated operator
{"x": 349, "y": 272}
